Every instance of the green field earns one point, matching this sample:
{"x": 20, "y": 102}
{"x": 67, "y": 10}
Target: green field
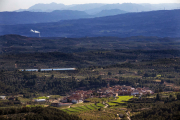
{"x": 55, "y": 96}
{"x": 100, "y": 105}
{"x": 121, "y": 99}
{"x": 42, "y": 97}
{"x": 34, "y": 105}
{"x": 24, "y": 100}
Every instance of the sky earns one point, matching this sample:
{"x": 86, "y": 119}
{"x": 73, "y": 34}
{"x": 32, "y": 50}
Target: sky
{"x": 11, "y": 5}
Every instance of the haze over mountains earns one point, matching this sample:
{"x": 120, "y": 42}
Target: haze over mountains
{"x": 26, "y": 17}
{"x": 163, "y": 23}
{"x": 94, "y": 8}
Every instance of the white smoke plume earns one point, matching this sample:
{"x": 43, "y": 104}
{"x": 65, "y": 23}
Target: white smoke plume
{"x": 35, "y": 31}
{"x": 32, "y": 30}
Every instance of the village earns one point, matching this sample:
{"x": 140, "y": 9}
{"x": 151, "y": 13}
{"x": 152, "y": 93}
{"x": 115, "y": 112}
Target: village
{"x": 80, "y": 96}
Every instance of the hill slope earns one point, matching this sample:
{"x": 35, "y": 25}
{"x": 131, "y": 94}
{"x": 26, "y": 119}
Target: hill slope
{"x": 164, "y": 23}
{"x": 110, "y": 12}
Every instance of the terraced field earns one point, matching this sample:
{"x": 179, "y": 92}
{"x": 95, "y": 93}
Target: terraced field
{"x": 79, "y": 109}
{"x": 84, "y": 108}
{"x": 42, "y": 97}
{"x": 121, "y": 99}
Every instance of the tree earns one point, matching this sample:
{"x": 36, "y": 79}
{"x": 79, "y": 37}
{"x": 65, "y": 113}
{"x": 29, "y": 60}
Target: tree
{"x": 146, "y": 75}
{"x": 162, "y": 81}
{"x": 160, "y": 90}
{"x": 99, "y": 77}
{"x": 178, "y": 96}
{"x": 109, "y": 73}
{"x": 120, "y": 72}
{"x": 52, "y": 76}
{"x": 158, "y": 97}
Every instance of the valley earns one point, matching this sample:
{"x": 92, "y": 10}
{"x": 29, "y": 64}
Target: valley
{"x": 95, "y": 61}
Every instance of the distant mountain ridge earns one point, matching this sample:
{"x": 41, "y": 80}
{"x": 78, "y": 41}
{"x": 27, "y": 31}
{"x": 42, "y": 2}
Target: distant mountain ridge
{"x": 163, "y": 23}
{"x": 110, "y": 12}
{"x": 54, "y": 6}
{"x": 94, "y": 8}
{"x": 27, "y": 17}
{"x": 129, "y": 7}
{"x": 47, "y": 7}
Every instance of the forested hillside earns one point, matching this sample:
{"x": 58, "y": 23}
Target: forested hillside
{"x": 22, "y": 44}
{"x": 35, "y": 113}
{"x": 168, "y": 111}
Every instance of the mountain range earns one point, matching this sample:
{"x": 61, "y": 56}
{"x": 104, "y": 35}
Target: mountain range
{"x": 53, "y": 12}
{"x": 94, "y": 8}
{"x": 27, "y": 17}
{"x": 162, "y": 23}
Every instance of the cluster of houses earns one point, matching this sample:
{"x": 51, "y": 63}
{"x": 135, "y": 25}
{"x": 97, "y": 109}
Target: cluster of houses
{"x": 79, "y": 96}
{"x": 118, "y": 90}
{"x": 76, "y": 97}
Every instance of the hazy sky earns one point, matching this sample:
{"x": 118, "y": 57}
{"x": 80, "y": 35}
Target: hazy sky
{"x": 10, "y": 5}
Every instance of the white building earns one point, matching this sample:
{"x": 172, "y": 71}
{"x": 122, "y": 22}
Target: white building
{"x": 40, "y": 100}
{"x": 3, "y": 97}
{"x": 75, "y": 101}
{"x": 135, "y": 92}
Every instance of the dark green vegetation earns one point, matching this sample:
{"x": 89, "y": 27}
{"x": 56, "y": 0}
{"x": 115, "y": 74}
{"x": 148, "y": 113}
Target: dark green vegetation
{"x": 166, "y": 108}
{"x": 35, "y": 113}
{"x": 136, "y": 44}
{"x": 125, "y": 59}
{"x": 163, "y": 23}
{"x": 149, "y": 73}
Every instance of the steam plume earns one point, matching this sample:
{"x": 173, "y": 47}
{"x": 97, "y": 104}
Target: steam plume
{"x": 32, "y": 30}
{"x": 35, "y": 31}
